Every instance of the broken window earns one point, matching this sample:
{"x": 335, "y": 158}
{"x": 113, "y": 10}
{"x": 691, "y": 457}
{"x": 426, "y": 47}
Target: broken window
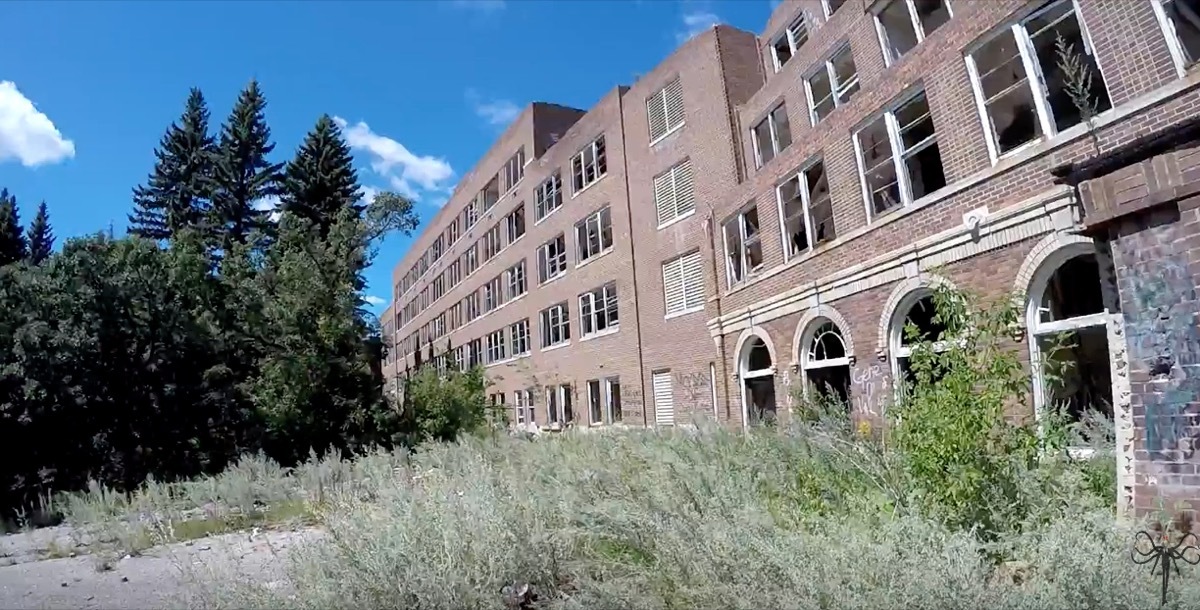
{"x": 598, "y": 311}
{"x": 470, "y": 258}
{"x": 893, "y": 180}
{"x": 514, "y": 223}
{"x": 547, "y": 197}
{"x": 903, "y": 24}
{"x": 490, "y": 194}
{"x": 552, "y": 259}
{"x": 1023, "y": 84}
{"x": 757, "y": 372}
{"x": 471, "y": 214}
{"x": 1181, "y": 20}
{"x": 558, "y": 404}
{"x": 826, "y": 364}
{"x": 492, "y": 243}
{"x": 743, "y": 248}
{"x": 806, "y": 209}
{"x": 831, "y": 6}
{"x": 523, "y": 399}
{"x": 771, "y": 135}
{"x": 589, "y": 165}
{"x": 519, "y": 334}
{"x": 788, "y": 43}
{"x": 832, "y": 84}
{"x": 495, "y": 346}
{"x": 593, "y": 234}
{"x": 555, "y": 325}
{"x": 921, "y": 316}
{"x": 514, "y": 170}
{"x": 493, "y": 294}
{"x": 515, "y": 280}
{"x": 1070, "y": 336}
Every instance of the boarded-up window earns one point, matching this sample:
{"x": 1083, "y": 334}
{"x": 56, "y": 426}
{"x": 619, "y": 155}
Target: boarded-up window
{"x": 664, "y": 110}
{"x": 674, "y": 193}
{"x": 664, "y": 399}
{"x": 683, "y": 284}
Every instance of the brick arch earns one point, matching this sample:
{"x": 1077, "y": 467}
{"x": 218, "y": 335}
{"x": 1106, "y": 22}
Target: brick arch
{"x": 901, "y": 292}
{"x": 761, "y": 333}
{"x": 1041, "y": 252}
{"x": 806, "y": 323}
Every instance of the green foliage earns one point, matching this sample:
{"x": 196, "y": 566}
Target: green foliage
{"x": 176, "y": 193}
{"x": 242, "y": 174}
{"x": 441, "y": 406}
{"x": 41, "y": 236}
{"x": 320, "y": 181}
{"x": 12, "y": 238}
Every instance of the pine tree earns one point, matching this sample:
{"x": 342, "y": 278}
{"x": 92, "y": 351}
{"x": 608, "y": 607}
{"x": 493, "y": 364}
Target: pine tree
{"x": 41, "y": 236}
{"x": 243, "y": 177}
{"x": 320, "y": 181}
{"x": 175, "y": 194}
{"x": 12, "y": 239}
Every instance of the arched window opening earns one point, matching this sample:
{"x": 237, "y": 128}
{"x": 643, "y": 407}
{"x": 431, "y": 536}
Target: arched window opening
{"x": 1068, "y": 326}
{"x": 757, "y": 371}
{"x": 921, "y": 314}
{"x": 826, "y": 364}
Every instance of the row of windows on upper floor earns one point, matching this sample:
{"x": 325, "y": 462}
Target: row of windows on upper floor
{"x": 1032, "y": 80}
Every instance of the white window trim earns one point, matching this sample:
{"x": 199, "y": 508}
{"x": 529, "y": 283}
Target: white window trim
{"x": 1172, "y": 37}
{"x": 603, "y": 249}
{"x": 835, "y": 87}
{"x": 747, "y": 273}
{"x": 828, "y": 12}
{"x": 1034, "y": 79}
{"x": 558, "y": 416}
{"x": 662, "y": 97}
{"x": 597, "y": 311}
{"x": 566, "y": 318}
{"x": 787, "y": 34}
{"x": 562, "y": 202}
{"x": 918, "y": 29}
{"x": 683, "y": 281}
{"x": 769, "y": 118}
{"x": 894, "y": 142}
{"x": 545, "y": 248}
{"x": 583, "y": 167}
{"x": 674, "y": 173}
{"x": 806, "y": 211}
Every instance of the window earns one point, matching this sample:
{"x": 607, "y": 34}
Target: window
{"x": 438, "y": 247}
{"x": 831, "y": 6}
{"x": 458, "y": 358}
{"x": 454, "y": 272}
{"x": 919, "y": 311}
{"x": 492, "y": 293}
{"x": 771, "y": 135}
{"x": 903, "y": 24}
{"x": 472, "y": 306}
{"x": 1181, "y": 21}
{"x": 513, "y": 171}
{"x": 899, "y": 157}
{"x": 514, "y": 224}
{"x": 495, "y": 347}
{"x": 514, "y": 281}
{"x": 471, "y": 214}
{"x": 683, "y": 284}
{"x": 552, "y": 259}
{"x": 1020, "y": 87}
{"x": 519, "y": 334}
{"x": 452, "y": 231}
{"x": 604, "y": 400}
{"x": 674, "y": 193}
{"x": 523, "y": 399}
{"x": 826, "y": 363}
{"x": 547, "y": 197}
{"x": 471, "y": 258}
{"x": 743, "y": 248}
{"x": 664, "y": 398}
{"x": 588, "y": 165}
{"x": 593, "y": 235}
{"x": 555, "y": 325}
{"x": 490, "y": 194}
{"x": 492, "y": 243}
{"x": 664, "y": 110}
{"x": 558, "y": 404}
{"x": 598, "y": 310}
{"x": 475, "y": 353}
{"x": 832, "y": 85}
{"x": 806, "y": 211}
{"x": 788, "y": 43}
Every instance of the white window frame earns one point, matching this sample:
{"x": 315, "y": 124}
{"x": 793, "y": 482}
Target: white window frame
{"x": 547, "y": 325}
{"x": 514, "y": 171}
{"x": 497, "y": 344}
{"x": 804, "y": 189}
{"x": 557, "y": 397}
{"x": 493, "y": 243}
{"x": 598, "y": 150}
{"x": 899, "y": 155}
{"x": 472, "y": 214}
{"x": 547, "y": 197}
{"x": 519, "y": 337}
{"x": 837, "y": 90}
{"x": 516, "y": 282}
{"x": 661, "y": 100}
{"x": 747, "y": 272}
{"x": 679, "y": 179}
{"x": 606, "y": 407}
{"x": 582, "y": 233}
{"x": 664, "y": 402}
{"x": 687, "y": 292}
{"x": 1033, "y": 76}
{"x": 523, "y": 402}
{"x": 830, "y": 11}
{"x": 510, "y": 224}
{"x": 596, "y": 305}
{"x": 545, "y": 260}
{"x": 772, "y": 129}
{"x": 789, "y": 33}
{"x": 918, "y": 28}
{"x": 1174, "y": 45}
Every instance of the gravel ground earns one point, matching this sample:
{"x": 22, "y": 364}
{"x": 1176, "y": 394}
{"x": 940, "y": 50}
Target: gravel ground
{"x": 163, "y": 577}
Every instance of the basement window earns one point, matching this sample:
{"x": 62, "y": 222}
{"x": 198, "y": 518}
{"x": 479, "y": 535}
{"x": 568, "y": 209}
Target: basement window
{"x": 806, "y": 210}
{"x": 904, "y": 24}
{"x": 1023, "y": 87}
{"x": 1180, "y": 20}
{"x": 743, "y": 246}
{"x": 771, "y": 135}
{"x": 788, "y": 43}
{"x": 832, "y": 84}
{"x": 899, "y": 157}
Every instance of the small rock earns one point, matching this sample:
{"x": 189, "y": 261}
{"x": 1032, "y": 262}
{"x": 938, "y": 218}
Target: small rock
{"x": 64, "y": 583}
{"x": 206, "y": 548}
{"x": 124, "y": 579}
{"x": 189, "y": 543}
{"x": 71, "y": 554}
{"x": 91, "y": 597}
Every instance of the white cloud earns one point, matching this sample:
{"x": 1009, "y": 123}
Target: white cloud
{"x": 411, "y": 175}
{"x": 695, "y": 22}
{"x": 26, "y": 134}
{"x": 374, "y": 300}
{"x": 485, "y": 6}
{"x": 498, "y": 113}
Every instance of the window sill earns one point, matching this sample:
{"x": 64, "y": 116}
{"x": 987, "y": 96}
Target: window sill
{"x": 612, "y": 330}
{"x": 585, "y": 189}
{"x": 552, "y": 279}
{"x": 507, "y": 360}
{"x": 548, "y": 215}
{"x": 590, "y": 259}
{"x": 678, "y": 219}
{"x": 666, "y": 135}
{"x": 680, "y": 314}
{"x": 551, "y": 348}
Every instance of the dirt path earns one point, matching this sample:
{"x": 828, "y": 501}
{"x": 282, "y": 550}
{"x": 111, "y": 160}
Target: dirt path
{"x": 163, "y": 577}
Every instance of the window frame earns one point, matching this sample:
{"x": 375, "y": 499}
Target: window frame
{"x": 747, "y": 273}
{"x": 660, "y": 98}
{"x": 514, "y": 334}
{"x": 789, "y": 34}
{"x": 548, "y": 197}
{"x": 914, "y": 19}
{"x": 546, "y": 325}
{"x": 544, "y": 260}
{"x": 1171, "y": 34}
{"x": 599, "y": 153}
{"x": 840, "y": 93}
{"x": 681, "y": 262}
{"x": 898, "y": 155}
{"x": 608, "y": 310}
{"x": 582, "y": 241}
{"x": 773, "y": 130}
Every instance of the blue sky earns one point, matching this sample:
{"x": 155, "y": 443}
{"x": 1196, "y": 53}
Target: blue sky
{"x": 423, "y": 87}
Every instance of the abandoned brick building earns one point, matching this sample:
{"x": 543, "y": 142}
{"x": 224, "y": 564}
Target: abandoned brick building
{"x": 760, "y": 211}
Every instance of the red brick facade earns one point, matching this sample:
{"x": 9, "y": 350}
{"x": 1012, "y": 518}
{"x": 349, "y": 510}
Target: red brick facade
{"x": 983, "y": 217}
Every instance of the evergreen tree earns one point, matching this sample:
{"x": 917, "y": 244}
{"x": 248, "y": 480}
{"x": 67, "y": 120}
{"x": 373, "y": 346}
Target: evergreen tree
{"x": 320, "y": 181}
{"x": 243, "y": 177}
{"x": 41, "y": 236}
{"x": 12, "y": 239}
{"x": 175, "y": 194}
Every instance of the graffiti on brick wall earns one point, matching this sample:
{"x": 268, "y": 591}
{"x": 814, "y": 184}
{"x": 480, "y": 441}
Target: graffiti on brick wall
{"x": 1158, "y": 297}
{"x": 869, "y": 387}
{"x": 694, "y": 389}
{"x": 631, "y": 402}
